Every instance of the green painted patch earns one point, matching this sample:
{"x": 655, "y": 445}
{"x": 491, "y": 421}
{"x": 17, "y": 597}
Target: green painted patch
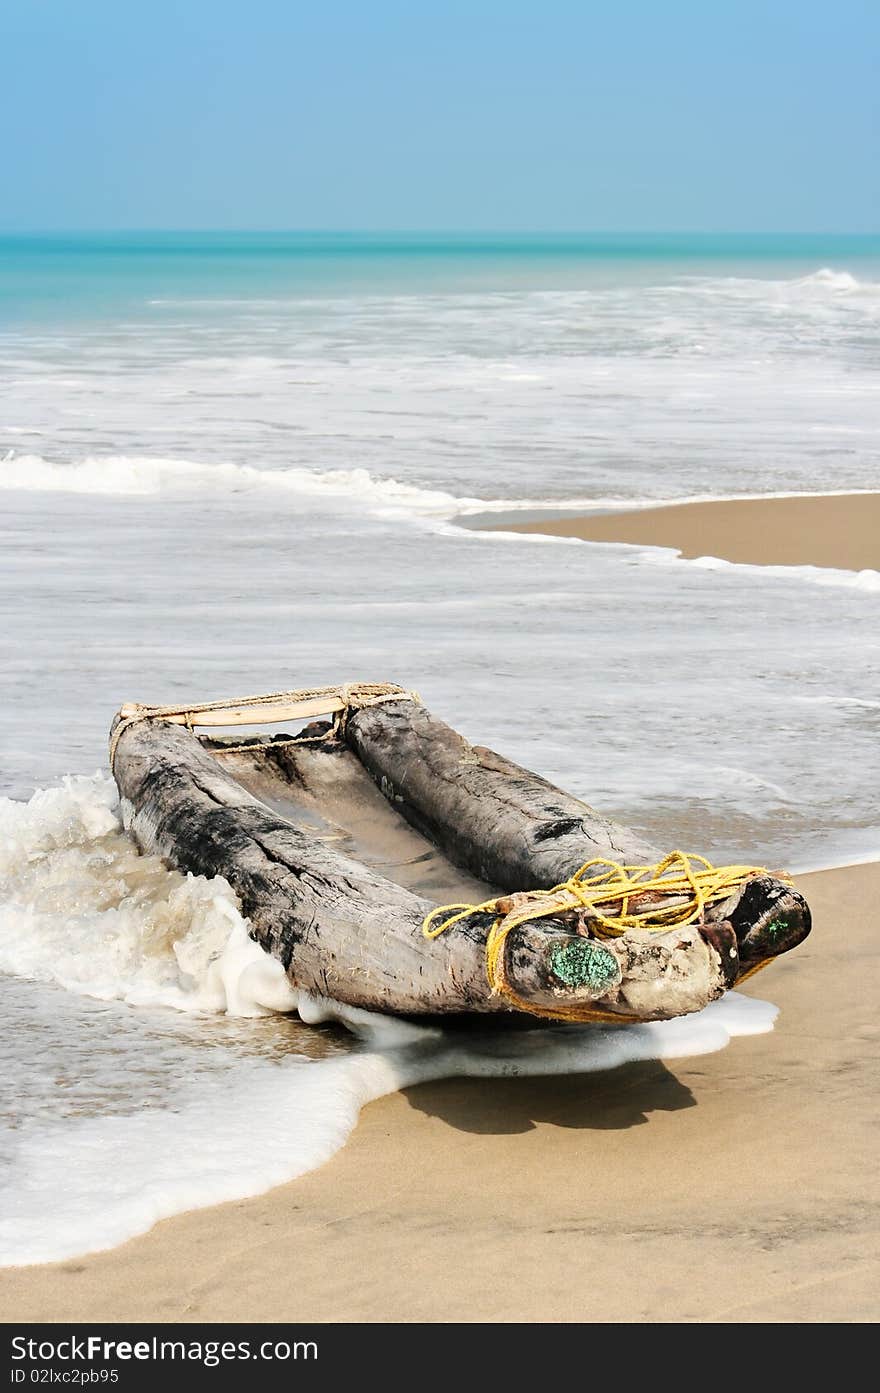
{"x": 776, "y": 928}
{"x": 583, "y": 962}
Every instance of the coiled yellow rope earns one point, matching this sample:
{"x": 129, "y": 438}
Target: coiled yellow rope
{"x": 614, "y": 899}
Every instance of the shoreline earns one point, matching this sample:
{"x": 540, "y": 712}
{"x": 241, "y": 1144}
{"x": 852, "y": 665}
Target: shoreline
{"x": 833, "y": 530}
{"x": 694, "y": 1190}
{"x": 746, "y": 1230}
{"x": 870, "y": 858}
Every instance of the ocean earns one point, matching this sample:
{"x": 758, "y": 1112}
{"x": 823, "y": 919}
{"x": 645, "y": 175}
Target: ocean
{"x": 231, "y": 463}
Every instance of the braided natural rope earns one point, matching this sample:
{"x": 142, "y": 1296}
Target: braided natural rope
{"x": 340, "y": 701}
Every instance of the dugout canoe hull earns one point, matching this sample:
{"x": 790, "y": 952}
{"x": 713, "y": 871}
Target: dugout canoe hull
{"x": 339, "y": 844}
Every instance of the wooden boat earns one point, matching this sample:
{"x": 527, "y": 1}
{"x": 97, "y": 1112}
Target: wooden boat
{"x": 342, "y": 839}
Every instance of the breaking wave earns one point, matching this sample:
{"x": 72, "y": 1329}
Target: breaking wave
{"x": 826, "y": 284}
{"x": 81, "y": 908}
{"x": 121, "y": 475}
{"x": 127, "y": 475}
{"x": 829, "y": 279}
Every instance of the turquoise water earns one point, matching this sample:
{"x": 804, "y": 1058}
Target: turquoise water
{"x": 58, "y": 277}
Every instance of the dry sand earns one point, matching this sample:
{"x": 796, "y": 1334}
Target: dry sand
{"x": 821, "y": 530}
{"x": 740, "y": 1186}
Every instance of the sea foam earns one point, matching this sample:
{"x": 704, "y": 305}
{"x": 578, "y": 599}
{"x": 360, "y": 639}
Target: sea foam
{"x": 867, "y": 580}
{"x": 81, "y": 909}
{"x": 130, "y": 476}
{"x": 102, "y": 1180}
{"x": 145, "y": 476}
{"x": 358, "y": 489}
{"x": 826, "y": 278}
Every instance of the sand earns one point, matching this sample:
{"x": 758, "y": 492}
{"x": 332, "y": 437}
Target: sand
{"x": 739, "y": 1186}
{"x": 840, "y": 530}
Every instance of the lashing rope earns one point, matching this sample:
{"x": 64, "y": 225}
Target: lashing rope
{"x": 616, "y": 898}
{"x": 339, "y": 702}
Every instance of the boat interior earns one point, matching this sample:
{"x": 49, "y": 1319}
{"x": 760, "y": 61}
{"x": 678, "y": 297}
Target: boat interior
{"x": 321, "y": 787}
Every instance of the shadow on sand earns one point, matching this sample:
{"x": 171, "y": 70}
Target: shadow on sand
{"x": 610, "y": 1100}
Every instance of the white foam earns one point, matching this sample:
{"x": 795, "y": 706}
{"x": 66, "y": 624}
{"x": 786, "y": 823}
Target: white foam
{"x": 837, "y": 699}
{"x": 824, "y": 284}
{"x": 121, "y": 476}
{"x": 641, "y": 554}
{"x": 867, "y": 580}
{"x": 81, "y": 909}
{"x": 125, "y": 475}
{"x": 143, "y": 476}
{"x": 826, "y": 278}
{"x": 100, "y": 1181}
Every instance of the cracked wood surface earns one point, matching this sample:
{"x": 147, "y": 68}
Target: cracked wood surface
{"x": 506, "y": 824}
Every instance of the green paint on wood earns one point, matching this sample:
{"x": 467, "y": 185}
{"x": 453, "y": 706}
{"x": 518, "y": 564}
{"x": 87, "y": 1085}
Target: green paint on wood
{"x": 582, "y": 962}
{"x": 776, "y": 928}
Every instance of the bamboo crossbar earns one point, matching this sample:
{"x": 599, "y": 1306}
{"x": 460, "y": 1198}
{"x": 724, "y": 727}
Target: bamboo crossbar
{"x": 262, "y": 714}
{"x": 262, "y": 710}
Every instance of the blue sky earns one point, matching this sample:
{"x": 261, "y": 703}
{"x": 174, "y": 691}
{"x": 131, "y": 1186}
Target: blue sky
{"x": 706, "y": 115}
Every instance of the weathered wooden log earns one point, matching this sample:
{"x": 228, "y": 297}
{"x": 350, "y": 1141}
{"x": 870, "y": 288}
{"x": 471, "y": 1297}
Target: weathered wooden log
{"x": 513, "y": 828}
{"x": 504, "y": 823}
{"x": 344, "y": 931}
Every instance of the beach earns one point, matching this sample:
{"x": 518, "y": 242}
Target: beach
{"x": 836, "y": 530}
{"x": 736, "y": 1187}
{"x": 439, "y": 582}
{"x": 234, "y": 465}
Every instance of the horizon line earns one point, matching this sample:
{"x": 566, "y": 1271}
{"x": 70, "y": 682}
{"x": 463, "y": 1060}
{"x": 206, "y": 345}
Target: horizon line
{"x": 547, "y": 232}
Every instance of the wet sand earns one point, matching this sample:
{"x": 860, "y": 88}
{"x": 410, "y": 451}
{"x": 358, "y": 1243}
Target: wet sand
{"x": 737, "y": 1187}
{"x": 838, "y": 530}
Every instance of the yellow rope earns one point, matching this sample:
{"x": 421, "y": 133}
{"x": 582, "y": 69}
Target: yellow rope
{"x": 341, "y": 701}
{"x": 614, "y": 899}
